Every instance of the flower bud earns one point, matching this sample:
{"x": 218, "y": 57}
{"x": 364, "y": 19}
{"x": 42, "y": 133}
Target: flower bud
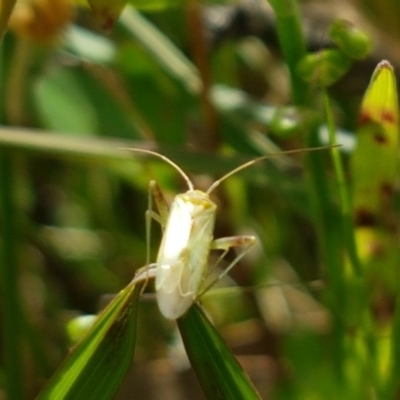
{"x": 323, "y": 68}
{"x": 351, "y": 40}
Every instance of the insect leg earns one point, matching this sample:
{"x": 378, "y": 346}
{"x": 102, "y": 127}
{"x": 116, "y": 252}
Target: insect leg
{"x": 155, "y": 194}
{"x": 144, "y": 273}
{"x": 162, "y": 205}
{"x": 225, "y": 244}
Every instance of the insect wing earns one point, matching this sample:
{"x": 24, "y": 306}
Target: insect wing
{"x": 182, "y": 259}
{"x": 174, "y": 242}
{"x": 200, "y": 244}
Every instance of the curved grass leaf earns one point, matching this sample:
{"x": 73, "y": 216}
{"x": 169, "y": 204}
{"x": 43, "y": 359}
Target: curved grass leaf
{"x": 102, "y": 150}
{"x": 97, "y": 365}
{"x": 165, "y": 53}
{"x": 217, "y": 370}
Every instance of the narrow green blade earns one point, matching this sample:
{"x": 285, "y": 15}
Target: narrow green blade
{"x": 217, "y": 370}
{"x": 97, "y": 365}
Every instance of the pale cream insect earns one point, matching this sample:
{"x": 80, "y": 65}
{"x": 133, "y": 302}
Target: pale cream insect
{"x": 187, "y": 240}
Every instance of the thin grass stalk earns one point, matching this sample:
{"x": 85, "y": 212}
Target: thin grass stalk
{"x": 329, "y": 239}
{"x": 292, "y": 43}
{"x": 11, "y": 311}
{"x": 342, "y": 190}
{"x": 200, "y": 52}
{"x": 10, "y": 307}
{"x": 164, "y": 52}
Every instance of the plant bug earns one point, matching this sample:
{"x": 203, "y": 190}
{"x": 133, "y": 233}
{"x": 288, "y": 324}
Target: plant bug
{"x": 187, "y": 240}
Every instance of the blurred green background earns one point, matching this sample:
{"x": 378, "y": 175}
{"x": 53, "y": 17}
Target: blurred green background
{"x": 210, "y": 85}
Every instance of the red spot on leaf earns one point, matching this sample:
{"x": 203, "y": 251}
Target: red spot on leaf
{"x": 388, "y": 116}
{"x": 383, "y": 306}
{"x": 387, "y": 189}
{"x": 380, "y": 138}
{"x": 364, "y": 118}
{"x": 364, "y": 217}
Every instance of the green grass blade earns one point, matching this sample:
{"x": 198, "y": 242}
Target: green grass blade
{"x": 343, "y": 191}
{"x": 99, "y": 362}
{"x": 292, "y": 43}
{"x": 11, "y": 310}
{"x": 219, "y": 373}
{"x": 164, "y": 52}
{"x": 102, "y": 150}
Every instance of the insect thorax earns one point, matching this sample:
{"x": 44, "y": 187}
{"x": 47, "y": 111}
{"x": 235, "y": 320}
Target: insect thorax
{"x": 197, "y": 201}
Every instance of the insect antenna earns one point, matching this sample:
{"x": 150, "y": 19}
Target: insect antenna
{"x": 256, "y": 160}
{"x": 167, "y": 160}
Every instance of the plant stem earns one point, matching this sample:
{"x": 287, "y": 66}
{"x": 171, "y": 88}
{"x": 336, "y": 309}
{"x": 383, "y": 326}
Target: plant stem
{"x": 10, "y": 303}
{"x": 292, "y": 43}
{"x": 11, "y": 311}
{"x": 330, "y": 240}
{"x": 293, "y": 48}
{"x": 164, "y": 52}
{"x": 199, "y": 49}
{"x": 345, "y": 202}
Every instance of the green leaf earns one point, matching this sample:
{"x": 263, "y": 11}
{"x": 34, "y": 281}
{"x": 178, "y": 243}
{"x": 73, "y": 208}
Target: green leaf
{"x": 63, "y": 105}
{"x": 350, "y": 39}
{"x": 323, "y": 68}
{"x": 217, "y": 370}
{"x": 375, "y": 159}
{"x": 164, "y": 52}
{"x": 72, "y": 101}
{"x": 97, "y": 365}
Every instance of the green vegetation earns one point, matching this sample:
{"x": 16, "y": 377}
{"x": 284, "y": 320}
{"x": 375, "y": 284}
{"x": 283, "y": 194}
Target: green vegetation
{"x": 310, "y": 313}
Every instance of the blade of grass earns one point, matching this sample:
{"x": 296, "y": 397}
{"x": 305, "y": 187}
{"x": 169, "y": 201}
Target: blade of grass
{"x": 345, "y": 201}
{"x": 217, "y": 370}
{"x": 104, "y": 150}
{"x": 99, "y": 362}
{"x": 165, "y": 53}
{"x": 330, "y": 243}
{"x": 11, "y": 310}
{"x": 292, "y": 43}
